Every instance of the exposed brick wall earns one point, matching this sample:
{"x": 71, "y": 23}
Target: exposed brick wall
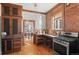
{"x": 58, "y": 8}
{"x": 72, "y": 18}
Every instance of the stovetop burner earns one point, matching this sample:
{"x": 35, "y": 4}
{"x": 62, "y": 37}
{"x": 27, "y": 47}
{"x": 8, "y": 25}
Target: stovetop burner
{"x": 67, "y": 39}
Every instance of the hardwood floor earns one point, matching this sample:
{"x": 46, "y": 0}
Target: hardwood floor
{"x": 32, "y": 49}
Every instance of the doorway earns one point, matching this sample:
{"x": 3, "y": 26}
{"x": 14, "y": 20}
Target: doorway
{"x": 28, "y": 30}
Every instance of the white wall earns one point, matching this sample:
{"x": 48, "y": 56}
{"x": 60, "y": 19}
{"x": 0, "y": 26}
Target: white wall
{"x": 37, "y": 17}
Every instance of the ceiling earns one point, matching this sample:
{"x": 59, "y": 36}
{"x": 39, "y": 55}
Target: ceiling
{"x": 38, "y": 7}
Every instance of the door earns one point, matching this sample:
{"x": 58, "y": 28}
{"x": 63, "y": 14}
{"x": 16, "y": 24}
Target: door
{"x": 29, "y": 28}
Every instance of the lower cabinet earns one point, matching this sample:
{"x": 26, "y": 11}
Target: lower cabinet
{"x": 3, "y": 47}
{"x": 45, "y": 40}
{"x": 16, "y": 45}
{"x": 9, "y": 45}
{"x": 6, "y": 46}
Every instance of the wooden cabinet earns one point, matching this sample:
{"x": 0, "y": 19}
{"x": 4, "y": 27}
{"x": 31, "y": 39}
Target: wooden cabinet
{"x": 16, "y": 44}
{"x": 15, "y": 11}
{"x": 3, "y": 47}
{"x": 6, "y": 25}
{"x": 14, "y": 26}
{"x": 7, "y": 46}
{"x": 11, "y": 17}
{"x": 10, "y": 45}
{"x": 6, "y": 10}
{"x": 11, "y": 9}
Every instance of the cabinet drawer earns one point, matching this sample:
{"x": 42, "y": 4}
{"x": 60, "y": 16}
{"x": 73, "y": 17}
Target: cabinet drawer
{"x": 17, "y": 47}
{"x": 17, "y": 41}
{"x": 15, "y": 44}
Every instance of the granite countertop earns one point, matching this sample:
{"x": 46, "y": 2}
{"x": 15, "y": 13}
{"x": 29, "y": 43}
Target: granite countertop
{"x": 17, "y": 36}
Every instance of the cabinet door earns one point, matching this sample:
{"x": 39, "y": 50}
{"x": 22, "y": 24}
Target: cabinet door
{"x": 9, "y": 45}
{"x": 6, "y": 10}
{"x": 15, "y": 26}
{"x": 15, "y": 11}
{"x": 7, "y": 25}
{"x": 3, "y": 46}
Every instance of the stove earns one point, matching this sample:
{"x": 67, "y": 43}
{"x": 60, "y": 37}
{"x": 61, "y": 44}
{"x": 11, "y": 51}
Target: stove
{"x": 65, "y": 43}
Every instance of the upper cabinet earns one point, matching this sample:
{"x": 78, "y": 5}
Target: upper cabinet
{"x": 6, "y": 10}
{"x": 11, "y": 15}
{"x": 14, "y": 11}
{"x": 7, "y": 25}
{"x": 11, "y": 9}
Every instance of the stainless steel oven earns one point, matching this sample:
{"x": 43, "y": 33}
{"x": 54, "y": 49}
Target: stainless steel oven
{"x": 65, "y": 44}
{"x": 61, "y": 47}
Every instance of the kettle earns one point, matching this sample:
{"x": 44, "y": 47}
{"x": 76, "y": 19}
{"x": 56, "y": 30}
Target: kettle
{"x": 3, "y": 34}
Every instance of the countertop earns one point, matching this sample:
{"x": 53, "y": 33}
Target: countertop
{"x": 18, "y": 36}
{"x": 47, "y": 35}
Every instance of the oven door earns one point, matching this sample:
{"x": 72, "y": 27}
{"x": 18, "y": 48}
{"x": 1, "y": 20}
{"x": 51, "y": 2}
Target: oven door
{"x": 62, "y": 50}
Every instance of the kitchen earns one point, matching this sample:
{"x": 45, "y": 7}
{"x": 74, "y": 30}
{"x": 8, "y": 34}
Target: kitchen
{"x": 57, "y": 29}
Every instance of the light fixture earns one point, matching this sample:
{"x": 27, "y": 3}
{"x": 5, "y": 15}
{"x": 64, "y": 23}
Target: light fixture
{"x": 67, "y": 4}
{"x": 35, "y": 5}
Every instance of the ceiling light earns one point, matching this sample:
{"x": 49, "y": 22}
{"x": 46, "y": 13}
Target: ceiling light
{"x": 67, "y": 4}
{"x": 35, "y": 5}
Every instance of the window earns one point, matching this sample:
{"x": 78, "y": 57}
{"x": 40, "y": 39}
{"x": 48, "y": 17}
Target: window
{"x": 58, "y": 23}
